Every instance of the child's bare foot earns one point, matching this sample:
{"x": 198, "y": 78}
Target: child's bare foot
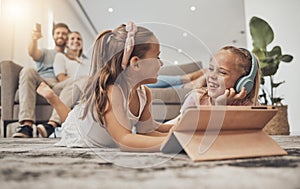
{"x": 45, "y": 91}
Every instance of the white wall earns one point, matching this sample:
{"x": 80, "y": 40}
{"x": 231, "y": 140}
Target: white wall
{"x": 212, "y": 25}
{"x": 16, "y": 28}
{"x": 283, "y": 16}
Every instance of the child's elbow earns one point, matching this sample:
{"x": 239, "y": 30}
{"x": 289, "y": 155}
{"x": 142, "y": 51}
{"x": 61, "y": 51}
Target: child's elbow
{"x": 124, "y": 144}
{"x": 124, "y": 148}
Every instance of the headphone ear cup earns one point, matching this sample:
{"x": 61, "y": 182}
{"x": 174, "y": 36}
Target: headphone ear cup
{"x": 248, "y": 80}
{"x": 244, "y": 82}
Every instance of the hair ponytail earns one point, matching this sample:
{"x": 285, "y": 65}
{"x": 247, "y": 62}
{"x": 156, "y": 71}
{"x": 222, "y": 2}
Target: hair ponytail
{"x": 91, "y": 91}
{"x": 107, "y": 64}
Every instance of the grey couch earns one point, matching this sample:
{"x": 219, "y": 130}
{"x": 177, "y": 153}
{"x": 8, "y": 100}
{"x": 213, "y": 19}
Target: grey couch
{"x": 9, "y": 97}
{"x": 166, "y": 101}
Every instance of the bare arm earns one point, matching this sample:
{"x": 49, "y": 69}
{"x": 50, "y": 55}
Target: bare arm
{"x": 147, "y": 115}
{"x": 118, "y": 125}
{"x": 62, "y": 77}
{"x": 33, "y": 50}
{"x": 156, "y": 133}
{"x": 164, "y": 128}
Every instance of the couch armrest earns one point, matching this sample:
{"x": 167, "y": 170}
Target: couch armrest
{"x": 9, "y": 84}
{"x": 166, "y": 102}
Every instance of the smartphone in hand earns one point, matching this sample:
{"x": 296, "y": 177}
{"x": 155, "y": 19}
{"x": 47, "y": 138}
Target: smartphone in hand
{"x": 38, "y": 27}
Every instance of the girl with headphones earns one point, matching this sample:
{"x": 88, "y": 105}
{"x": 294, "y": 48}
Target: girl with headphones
{"x": 232, "y": 78}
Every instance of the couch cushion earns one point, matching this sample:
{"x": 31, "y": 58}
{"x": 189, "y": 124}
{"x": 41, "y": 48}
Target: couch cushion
{"x": 42, "y": 112}
{"x": 168, "y": 95}
{"x": 166, "y": 102}
{"x": 180, "y": 69}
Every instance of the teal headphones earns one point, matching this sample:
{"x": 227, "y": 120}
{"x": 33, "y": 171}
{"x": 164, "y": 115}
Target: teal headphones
{"x": 248, "y": 80}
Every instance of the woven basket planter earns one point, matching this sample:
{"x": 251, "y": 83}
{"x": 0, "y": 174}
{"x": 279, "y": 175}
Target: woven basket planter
{"x": 279, "y": 124}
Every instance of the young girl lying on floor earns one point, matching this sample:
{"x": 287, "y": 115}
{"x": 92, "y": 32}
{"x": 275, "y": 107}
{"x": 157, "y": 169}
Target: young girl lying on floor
{"x": 115, "y": 110}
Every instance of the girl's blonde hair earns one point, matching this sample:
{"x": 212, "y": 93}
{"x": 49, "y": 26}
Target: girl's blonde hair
{"x": 107, "y": 66}
{"x": 244, "y": 63}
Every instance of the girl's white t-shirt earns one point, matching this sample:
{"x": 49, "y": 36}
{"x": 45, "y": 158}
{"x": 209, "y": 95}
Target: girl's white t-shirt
{"x": 87, "y": 132}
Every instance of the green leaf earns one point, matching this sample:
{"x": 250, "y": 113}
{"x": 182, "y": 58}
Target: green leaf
{"x": 270, "y": 60}
{"x": 263, "y": 64}
{"x": 259, "y": 53}
{"x": 286, "y": 58}
{"x": 275, "y": 85}
{"x": 276, "y": 51}
{"x": 269, "y": 70}
{"x": 261, "y": 33}
{"x": 263, "y": 67}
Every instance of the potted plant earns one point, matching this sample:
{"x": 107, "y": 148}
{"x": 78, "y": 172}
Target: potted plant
{"x": 269, "y": 61}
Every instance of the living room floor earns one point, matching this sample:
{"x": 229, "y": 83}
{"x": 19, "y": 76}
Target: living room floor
{"x": 37, "y": 163}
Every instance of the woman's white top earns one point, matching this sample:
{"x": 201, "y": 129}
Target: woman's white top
{"x": 72, "y": 68}
{"x": 86, "y": 132}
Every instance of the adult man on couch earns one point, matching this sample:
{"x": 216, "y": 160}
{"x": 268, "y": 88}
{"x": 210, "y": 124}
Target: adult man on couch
{"x": 30, "y": 78}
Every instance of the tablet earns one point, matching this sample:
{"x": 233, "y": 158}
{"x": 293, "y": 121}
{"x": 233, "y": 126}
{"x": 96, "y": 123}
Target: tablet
{"x": 223, "y": 132}
{"x": 207, "y": 118}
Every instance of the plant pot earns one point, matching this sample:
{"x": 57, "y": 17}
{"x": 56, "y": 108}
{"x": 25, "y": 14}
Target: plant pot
{"x": 279, "y": 124}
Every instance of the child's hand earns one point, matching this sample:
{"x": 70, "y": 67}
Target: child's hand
{"x": 230, "y": 95}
